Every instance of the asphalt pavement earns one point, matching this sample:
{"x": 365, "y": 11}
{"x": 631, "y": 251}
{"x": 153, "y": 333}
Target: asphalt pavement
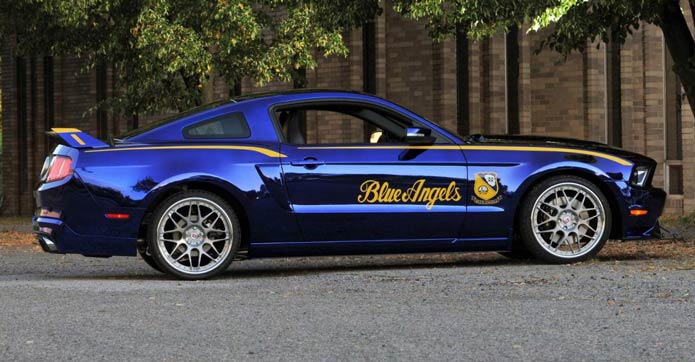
{"x": 478, "y": 307}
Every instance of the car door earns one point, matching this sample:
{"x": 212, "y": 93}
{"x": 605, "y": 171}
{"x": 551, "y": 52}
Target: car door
{"x": 350, "y": 176}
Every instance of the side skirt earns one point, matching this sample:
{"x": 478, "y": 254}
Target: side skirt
{"x": 353, "y": 247}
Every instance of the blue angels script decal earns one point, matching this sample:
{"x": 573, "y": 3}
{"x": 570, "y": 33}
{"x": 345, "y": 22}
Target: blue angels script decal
{"x": 373, "y": 191}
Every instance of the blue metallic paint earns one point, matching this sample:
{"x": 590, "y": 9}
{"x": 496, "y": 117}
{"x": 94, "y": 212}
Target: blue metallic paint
{"x": 294, "y": 209}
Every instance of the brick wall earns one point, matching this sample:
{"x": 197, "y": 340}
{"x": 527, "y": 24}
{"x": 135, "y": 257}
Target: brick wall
{"x": 557, "y": 95}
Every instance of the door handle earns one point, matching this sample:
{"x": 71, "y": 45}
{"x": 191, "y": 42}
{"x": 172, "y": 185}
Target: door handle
{"x": 308, "y": 162}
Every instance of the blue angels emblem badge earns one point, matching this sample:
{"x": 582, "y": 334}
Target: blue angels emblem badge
{"x": 486, "y": 187}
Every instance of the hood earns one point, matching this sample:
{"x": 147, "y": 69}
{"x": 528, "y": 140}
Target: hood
{"x": 542, "y": 141}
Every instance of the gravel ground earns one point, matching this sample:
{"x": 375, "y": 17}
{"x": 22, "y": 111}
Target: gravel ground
{"x": 628, "y": 306}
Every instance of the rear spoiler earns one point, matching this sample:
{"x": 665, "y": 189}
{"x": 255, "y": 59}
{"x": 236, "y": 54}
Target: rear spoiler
{"x": 75, "y": 138}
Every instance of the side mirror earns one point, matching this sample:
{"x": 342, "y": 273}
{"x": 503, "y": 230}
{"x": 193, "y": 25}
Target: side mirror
{"x": 418, "y": 136}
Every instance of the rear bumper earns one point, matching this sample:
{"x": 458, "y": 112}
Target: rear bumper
{"x": 55, "y": 236}
{"x": 45, "y": 230}
{"x": 69, "y": 221}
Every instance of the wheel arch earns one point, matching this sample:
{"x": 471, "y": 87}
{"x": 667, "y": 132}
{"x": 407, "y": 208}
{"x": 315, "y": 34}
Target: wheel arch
{"x": 218, "y": 187}
{"x": 596, "y": 180}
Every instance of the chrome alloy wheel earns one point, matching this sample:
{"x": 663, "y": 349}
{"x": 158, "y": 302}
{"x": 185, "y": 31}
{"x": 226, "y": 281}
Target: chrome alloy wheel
{"x": 194, "y": 235}
{"x": 568, "y": 220}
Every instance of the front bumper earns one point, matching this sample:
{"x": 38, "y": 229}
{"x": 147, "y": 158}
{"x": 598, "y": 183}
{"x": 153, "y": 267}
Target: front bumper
{"x": 643, "y": 226}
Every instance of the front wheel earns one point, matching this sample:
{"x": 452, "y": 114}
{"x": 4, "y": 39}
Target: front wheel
{"x": 565, "y": 219}
{"x": 194, "y": 235}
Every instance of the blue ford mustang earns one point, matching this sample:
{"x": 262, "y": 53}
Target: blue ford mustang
{"x": 329, "y": 172}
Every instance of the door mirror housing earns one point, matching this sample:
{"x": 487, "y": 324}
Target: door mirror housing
{"x": 419, "y": 136}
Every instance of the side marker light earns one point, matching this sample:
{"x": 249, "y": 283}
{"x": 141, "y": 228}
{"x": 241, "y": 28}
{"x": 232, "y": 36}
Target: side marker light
{"x": 118, "y": 216}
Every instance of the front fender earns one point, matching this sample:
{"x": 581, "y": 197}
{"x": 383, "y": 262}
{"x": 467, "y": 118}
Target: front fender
{"x": 571, "y": 168}
{"x": 612, "y": 184}
{"x": 516, "y": 172}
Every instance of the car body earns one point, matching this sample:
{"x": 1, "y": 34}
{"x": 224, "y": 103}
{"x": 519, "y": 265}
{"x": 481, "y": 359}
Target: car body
{"x": 403, "y": 184}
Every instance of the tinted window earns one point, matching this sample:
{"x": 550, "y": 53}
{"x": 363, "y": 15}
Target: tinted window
{"x": 231, "y": 125}
{"x": 167, "y": 120}
{"x": 342, "y": 123}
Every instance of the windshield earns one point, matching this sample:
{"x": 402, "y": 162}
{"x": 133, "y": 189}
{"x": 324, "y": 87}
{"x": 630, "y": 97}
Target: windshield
{"x": 167, "y": 120}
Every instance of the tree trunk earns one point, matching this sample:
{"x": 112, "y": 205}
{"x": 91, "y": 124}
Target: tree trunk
{"x": 208, "y": 91}
{"x": 681, "y": 45}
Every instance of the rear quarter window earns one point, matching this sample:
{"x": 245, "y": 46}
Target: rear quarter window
{"x": 231, "y": 125}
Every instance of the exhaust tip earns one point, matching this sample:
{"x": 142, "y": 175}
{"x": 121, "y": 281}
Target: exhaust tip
{"x": 48, "y": 245}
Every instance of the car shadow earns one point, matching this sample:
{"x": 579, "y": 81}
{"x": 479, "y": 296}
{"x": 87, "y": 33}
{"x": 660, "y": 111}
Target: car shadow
{"x": 284, "y": 267}
{"x": 291, "y": 266}
{"x": 297, "y": 266}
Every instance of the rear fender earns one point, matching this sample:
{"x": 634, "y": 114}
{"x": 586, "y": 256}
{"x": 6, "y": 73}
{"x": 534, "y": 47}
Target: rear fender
{"x": 267, "y": 220}
{"x": 183, "y": 181}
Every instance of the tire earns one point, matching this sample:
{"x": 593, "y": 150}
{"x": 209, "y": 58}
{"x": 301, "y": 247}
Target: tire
{"x": 564, "y": 219}
{"x": 194, "y": 235}
{"x": 149, "y": 260}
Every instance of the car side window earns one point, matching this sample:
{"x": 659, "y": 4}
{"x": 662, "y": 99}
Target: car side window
{"x": 232, "y": 125}
{"x": 340, "y": 124}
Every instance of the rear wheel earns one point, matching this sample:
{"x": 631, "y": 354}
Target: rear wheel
{"x": 565, "y": 219}
{"x": 194, "y": 235}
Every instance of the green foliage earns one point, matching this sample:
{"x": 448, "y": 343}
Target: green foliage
{"x": 570, "y": 24}
{"x": 164, "y": 51}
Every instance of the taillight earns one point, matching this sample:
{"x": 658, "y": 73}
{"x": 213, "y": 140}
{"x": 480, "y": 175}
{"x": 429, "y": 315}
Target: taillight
{"x": 60, "y": 168}
{"x": 44, "y": 169}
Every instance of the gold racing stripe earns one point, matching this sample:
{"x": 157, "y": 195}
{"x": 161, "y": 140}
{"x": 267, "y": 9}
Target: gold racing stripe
{"x": 448, "y": 147}
{"x": 271, "y": 153}
{"x": 78, "y": 139}
{"x": 549, "y": 149}
{"x": 480, "y": 148}
{"x": 264, "y": 151}
{"x": 65, "y": 130}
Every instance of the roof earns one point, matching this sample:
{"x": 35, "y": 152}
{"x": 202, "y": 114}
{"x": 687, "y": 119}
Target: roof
{"x": 294, "y": 92}
{"x": 228, "y": 102}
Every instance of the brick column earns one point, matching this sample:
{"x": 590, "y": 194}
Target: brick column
{"x": 497, "y": 92}
{"x": 595, "y": 92}
{"x": 654, "y": 99}
{"x": 525, "y": 59}
{"x": 8, "y": 81}
{"x": 444, "y": 83}
{"x": 481, "y": 86}
{"x": 408, "y": 63}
